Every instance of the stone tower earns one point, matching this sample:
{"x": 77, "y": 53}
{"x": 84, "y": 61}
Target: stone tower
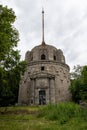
{"x": 47, "y": 78}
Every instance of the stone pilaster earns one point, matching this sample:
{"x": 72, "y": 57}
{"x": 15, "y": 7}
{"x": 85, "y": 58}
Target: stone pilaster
{"x": 52, "y": 90}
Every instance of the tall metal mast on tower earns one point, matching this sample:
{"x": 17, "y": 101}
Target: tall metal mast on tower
{"x": 43, "y": 42}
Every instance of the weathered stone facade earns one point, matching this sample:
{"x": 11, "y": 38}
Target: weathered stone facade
{"x": 46, "y": 79}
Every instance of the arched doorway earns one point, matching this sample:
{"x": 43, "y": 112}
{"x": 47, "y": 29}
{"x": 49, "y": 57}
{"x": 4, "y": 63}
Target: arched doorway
{"x": 42, "y": 97}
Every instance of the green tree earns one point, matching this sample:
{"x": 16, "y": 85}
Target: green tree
{"x": 84, "y": 74}
{"x": 76, "y": 72}
{"x": 79, "y": 83}
{"x": 11, "y": 67}
{"x": 9, "y": 36}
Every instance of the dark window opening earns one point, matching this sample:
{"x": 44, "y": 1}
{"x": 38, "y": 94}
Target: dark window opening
{"x": 42, "y": 68}
{"x": 54, "y": 57}
{"x": 43, "y": 57}
{"x": 42, "y": 97}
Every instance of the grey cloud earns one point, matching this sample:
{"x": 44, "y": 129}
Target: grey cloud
{"x": 65, "y": 26}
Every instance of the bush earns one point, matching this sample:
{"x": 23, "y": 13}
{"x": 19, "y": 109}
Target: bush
{"x": 61, "y": 112}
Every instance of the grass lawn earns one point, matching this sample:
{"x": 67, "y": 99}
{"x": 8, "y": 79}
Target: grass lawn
{"x": 27, "y": 118}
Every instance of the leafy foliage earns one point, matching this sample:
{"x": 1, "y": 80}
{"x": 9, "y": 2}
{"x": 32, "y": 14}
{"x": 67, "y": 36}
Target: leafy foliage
{"x": 76, "y": 72}
{"x": 9, "y": 36}
{"x": 79, "y": 84}
{"x": 11, "y": 67}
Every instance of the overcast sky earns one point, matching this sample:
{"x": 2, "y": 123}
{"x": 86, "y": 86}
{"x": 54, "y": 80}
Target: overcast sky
{"x": 65, "y": 26}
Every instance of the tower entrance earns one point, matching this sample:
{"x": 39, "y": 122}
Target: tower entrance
{"x": 42, "y": 97}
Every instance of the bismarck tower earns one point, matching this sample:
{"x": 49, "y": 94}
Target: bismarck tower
{"x": 47, "y": 78}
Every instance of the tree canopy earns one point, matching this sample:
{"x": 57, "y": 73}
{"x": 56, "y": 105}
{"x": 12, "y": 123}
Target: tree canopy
{"x": 9, "y": 36}
{"x": 11, "y": 67}
{"x": 79, "y": 83}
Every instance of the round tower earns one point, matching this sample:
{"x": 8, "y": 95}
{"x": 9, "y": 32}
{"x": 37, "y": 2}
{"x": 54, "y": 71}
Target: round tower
{"x": 47, "y": 78}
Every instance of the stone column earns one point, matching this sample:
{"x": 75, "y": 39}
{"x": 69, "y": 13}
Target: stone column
{"x": 52, "y": 91}
{"x": 33, "y": 90}
{"x": 47, "y": 96}
{"x": 36, "y": 93}
{"x": 47, "y": 92}
{"x": 32, "y": 93}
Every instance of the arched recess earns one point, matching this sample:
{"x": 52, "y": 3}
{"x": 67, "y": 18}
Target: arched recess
{"x": 43, "y": 57}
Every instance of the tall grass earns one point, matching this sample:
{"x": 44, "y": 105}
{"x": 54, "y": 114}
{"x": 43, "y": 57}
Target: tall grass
{"x": 62, "y": 112}
{"x": 63, "y": 116}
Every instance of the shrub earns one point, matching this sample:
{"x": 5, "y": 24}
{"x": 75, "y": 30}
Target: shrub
{"x": 62, "y": 112}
